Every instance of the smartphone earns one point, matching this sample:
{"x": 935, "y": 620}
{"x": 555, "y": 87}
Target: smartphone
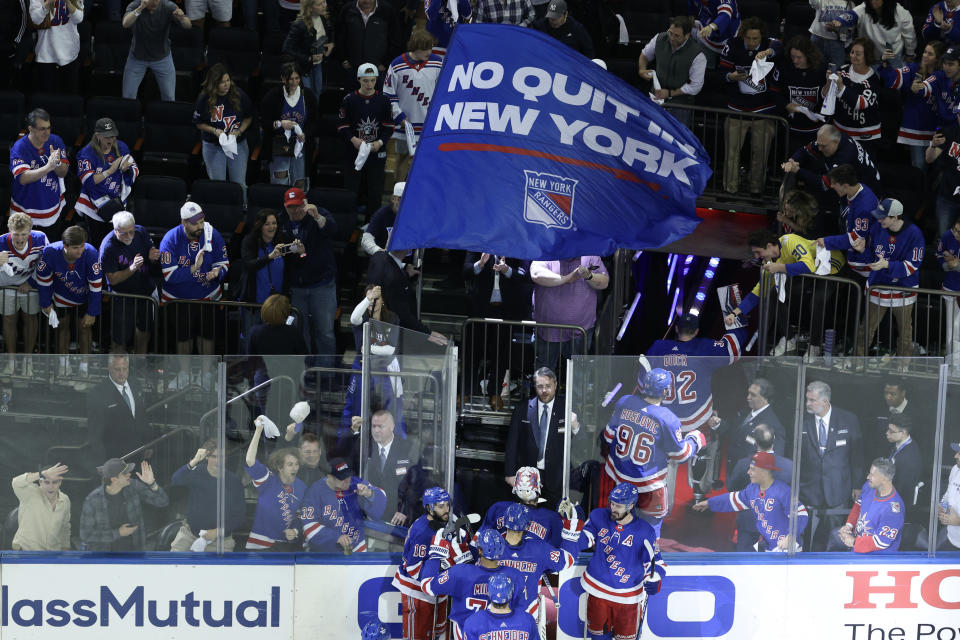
{"x": 593, "y": 267}
{"x": 290, "y": 248}
{"x": 832, "y": 67}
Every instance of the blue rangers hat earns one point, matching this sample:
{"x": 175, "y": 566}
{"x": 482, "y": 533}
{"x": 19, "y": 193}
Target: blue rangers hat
{"x": 624, "y": 493}
{"x": 517, "y": 517}
{"x": 375, "y": 631}
{"x": 491, "y": 544}
{"x": 888, "y": 207}
{"x": 499, "y": 589}
{"x": 654, "y": 383}
{"x": 433, "y": 495}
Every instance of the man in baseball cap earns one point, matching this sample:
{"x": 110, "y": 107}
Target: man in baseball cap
{"x": 560, "y": 25}
{"x": 366, "y": 117}
{"x": 112, "y": 516}
{"x": 339, "y": 505}
{"x": 376, "y": 234}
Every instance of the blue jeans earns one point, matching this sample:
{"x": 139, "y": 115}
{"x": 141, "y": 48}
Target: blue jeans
{"x": 918, "y": 156}
{"x": 218, "y": 166}
{"x": 293, "y": 169}
{"x": 314, "y": 79}
{"x": 948, "y": 210}
{"x": 163, "y": 71}
{"x": 318, "y": 308}
{"x": 833, "y": 50}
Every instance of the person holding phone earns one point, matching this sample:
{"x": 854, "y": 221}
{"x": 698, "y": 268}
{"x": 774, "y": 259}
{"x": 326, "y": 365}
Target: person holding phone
{"x": 262, "y": 254}
{"x": 919, "y": 119}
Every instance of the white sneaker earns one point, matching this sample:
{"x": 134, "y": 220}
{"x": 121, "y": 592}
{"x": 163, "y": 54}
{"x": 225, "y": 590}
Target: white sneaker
{"x": 8, "y": 368}
{"x": 784, "y": 346}
{"x": 180, "y": 382}
{"x": 84, "y": 368}
{"x": 813, "y": 353}
{"x": 64, "y": 366}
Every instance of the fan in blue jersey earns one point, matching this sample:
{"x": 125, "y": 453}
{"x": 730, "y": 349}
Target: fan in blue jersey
{"x": 68, "y": 273}
{"x": 625, "y": 567}
{"x": 875, "y": 523}
{"x": 948, "y": 257}
{"x": 193, "y": 259}
{"x": 39, "y": 163}
{"x": 441, "y": 21}
{"x": 545, "y": 523}
{"x": 642, "y": 437}
{"x": 20, "y": 250}
{"x": 375, "y": 631}
{"x": 335, "y": 507}
{"x": 499, "y": 621}
{"x": 858, "y": 203}
{"x": 768, "y": 499}
{"x": 466, "y": 584}
{"x": 716, "y": 22}
{"x": 420, "y": 611}
{"x": 276, "y": 523}
{"x": 531, "y": 556}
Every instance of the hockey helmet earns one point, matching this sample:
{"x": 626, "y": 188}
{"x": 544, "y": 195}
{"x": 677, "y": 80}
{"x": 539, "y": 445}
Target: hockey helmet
{"x": 491, "y": 544}
{"x": 516, "y": 517}
{"x": 499, "y": 588}
{"x": 433, "y": 495}
{"x": 654, "y": 383}
{"x": 624, "y": 493}
{"x": 527, "y": 484}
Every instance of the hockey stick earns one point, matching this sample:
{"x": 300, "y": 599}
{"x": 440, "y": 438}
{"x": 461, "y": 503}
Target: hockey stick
{"x": 459, "y": 523}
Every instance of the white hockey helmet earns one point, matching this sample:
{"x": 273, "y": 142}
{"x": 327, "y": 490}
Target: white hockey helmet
{"x": 527, "y": 485}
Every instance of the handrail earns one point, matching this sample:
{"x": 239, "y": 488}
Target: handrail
{"x": 248, "y": 392}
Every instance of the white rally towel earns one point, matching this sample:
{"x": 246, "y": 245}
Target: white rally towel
{"x": 816, "y": 117}
{"x": 830, "y": 102}
{"x": 411, "y": 137}
{"x": 395, "y": 381}
{"x": 300, "y": 411}
{"x": 200, "y": 544}
{"x": 780, "y": 282}
{"x": 298, "y": 146}
{"x": 656, "y": 87}
{"x": 759, "y": 70}
{"x": 822, "y": 261}
{"x": 269, "y": 427}
{"x": 7, "y": 269}
{"x": 207, "y": 236}
{"x": 454, "y": 11}
{"x": 624, "y": 36}
{"x": 53, "y": 319}
{"x": 229, "y": 145}
{"x": 362, "y": 154}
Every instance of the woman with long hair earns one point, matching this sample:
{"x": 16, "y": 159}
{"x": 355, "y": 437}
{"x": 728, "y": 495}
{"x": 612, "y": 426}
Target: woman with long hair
{"x": 889, "y": 27}
{"x": 919, "y": 121}
{"x": 310, "y": 41}
{"x": 107, "y": 172}
{"x": 282, "y": 110}
{"x": 799, "y": 74}
{"x": 223, "y": 114}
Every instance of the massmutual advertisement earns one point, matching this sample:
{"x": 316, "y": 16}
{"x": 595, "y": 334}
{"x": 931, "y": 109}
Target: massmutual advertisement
{"x": 531, "y": 150}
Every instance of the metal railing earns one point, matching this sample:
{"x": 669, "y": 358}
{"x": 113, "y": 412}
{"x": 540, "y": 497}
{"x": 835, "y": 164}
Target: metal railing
{"x": 492, "y": 347}
{"x": 812, "y": 304}
{"x": 714, "y": 128}
{"x": 933, "y": 323}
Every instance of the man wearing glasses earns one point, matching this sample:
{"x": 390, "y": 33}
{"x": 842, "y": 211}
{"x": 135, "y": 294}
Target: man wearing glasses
{"x": 39, "y": 163}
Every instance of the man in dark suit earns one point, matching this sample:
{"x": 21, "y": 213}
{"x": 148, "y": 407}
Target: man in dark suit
{"x": 116, "y": 417}
{"x": 832, "y": 471}
{"x": 387, "y": 270}
{"x": 740, "y": 444}
{"x": 497, "y": 287}
{"x": 535, "y": 438}
{"x": 737, "y": 480}
{"x": 906, "y": 456}
{"x": 390, "y": 466}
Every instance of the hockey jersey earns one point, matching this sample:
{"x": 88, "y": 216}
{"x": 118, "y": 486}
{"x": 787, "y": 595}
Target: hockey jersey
{"x": 858, "y": 107}
{"x": 770, "y": 507}
{"x": 490, "y": 625}
{"x": 466, "y": 585}
{"x": 416, "y": 546}
{"x": 848, "y": 151}
{"x": 532, "y": 557}
{"x": 409, "y": 85}
{"x": 624, "y": 557}
{"x": 903, "y": 250}
{"x": 545, "y": 523}
{"x": 69, "y": 285}
{"x": 224, "y": 116}
{"x": 947, "y": 244}
{"x": 42, "y": 200}
{"x": 691, "y": 365}
{"x": 117, "y": 185}
{"x": 799, "y": 255}
{"x": 919, "y": 109}
{"x": 946, "y": 93}
{"x": 642, "y": 438}
{"x": 366, "y": 117}
{"x": 278, "y": 507}
{"x": 951, "y": 20}
{"x": 115, "y": 255}
{"x": 858, "y": 214}
{"x": 22, "y": 263}
{"x": 724, "y": 13}
{"x": 878, "y": 522}
{"x": 801, "y": 87}
{"x": 440, "y": 22}
{"x": 329, "y": 514}
{"x": 747, "y": 95}
{"x": 177, "y": 254}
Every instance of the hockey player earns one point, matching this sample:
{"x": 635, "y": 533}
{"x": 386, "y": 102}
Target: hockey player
{"x": 626, "y": 563}
{"x": 858, "y": 202}
{"x": 276, "y": 523}
{"x": 642, "y": 437}
{"x": 545, "y": 523}
{"x": 333, "y": 514}
{"x": 192, "y": 271}
{"x": 21, "y": 249}
{"x": 39, "y": 163}
{"x": 466, "y": 584}
{"x": 409, "y": 84}
{"x": 499, "y": 620}
{"x": 769, "y": 499}
{"x": 875, "y": 523}
{"x": 531, "y": 556}
{"x": 716, "y": 22}
{"x": 68, "y": 275}
{"x": 418, "y": 608}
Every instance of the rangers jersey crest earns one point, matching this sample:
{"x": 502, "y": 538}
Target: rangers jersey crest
{"x": 548, "y": 199}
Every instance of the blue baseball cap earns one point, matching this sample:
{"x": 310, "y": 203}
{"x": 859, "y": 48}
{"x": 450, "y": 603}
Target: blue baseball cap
{"x": 888, "y": 208}
{"x": 688, "y": 322}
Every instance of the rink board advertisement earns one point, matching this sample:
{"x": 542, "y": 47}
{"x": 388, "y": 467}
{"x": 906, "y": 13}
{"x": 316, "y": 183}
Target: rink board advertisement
{"x": 329, "y": 597}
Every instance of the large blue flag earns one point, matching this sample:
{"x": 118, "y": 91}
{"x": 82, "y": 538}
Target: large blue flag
{"x": 533, "y": 151}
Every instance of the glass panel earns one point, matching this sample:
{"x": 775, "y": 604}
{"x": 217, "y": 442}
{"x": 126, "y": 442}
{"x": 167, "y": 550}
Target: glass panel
{"x": 945, "y": 520}
{"x": 68, "y": 414}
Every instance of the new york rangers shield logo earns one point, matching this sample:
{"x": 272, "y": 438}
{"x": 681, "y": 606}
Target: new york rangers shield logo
{"x": 548, "y": 199}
